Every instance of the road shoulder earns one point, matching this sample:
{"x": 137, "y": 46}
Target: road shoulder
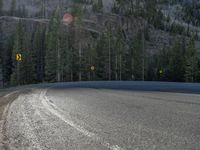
{"x": 5, "y": 101}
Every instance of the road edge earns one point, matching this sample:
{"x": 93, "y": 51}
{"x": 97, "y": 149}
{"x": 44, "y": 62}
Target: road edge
{"x": 7, "y": 100}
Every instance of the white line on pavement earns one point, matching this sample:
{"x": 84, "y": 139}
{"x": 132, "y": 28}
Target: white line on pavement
{"x": 9, "y": 94}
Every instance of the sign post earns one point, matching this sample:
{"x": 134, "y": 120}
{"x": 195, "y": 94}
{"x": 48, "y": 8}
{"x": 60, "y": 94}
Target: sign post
{"x": 161, "y": 74}
{"x": 93, "y": 71}
{"x": 18, "y": 59}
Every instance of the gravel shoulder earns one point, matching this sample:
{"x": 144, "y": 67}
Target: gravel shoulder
{"x": 6, "y": 98}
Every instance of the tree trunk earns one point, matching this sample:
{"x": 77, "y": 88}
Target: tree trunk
{"x": 109, "y": 45}
{"x": 143, "y": 58}
{"x": 80, "y": 60}
{"x": 116, "y": 68}
{"x": 120, "y": 66}
{"x": 58, "y": 63}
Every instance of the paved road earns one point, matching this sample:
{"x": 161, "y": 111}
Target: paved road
{"x": 106, "y": 115}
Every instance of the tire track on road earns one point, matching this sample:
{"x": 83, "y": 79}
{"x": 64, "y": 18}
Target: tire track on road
{"x": 58, "y": 113}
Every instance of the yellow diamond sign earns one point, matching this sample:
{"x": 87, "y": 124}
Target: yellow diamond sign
{"x": 18, "y": 57}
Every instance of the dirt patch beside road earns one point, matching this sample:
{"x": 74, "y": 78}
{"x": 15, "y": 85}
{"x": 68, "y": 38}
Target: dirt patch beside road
{"x": 5, "y": 100}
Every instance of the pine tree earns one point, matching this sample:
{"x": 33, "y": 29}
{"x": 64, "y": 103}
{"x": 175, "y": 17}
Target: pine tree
{"x": 98, "y": 6}
{"x": 43, "y": 9}
{"x": 135, "y": 58}
{"x": 28, "y": 63}
{"x": 161, "y": 67}
{"x": 123, "y": 6}
{"x": 101, "y": 58}
{"x": 72, "y": 55}
{"x": 1, "y": 58}
{"x": 91, "y": 57}
{"x": 152, "y": 14}
{"x": 191, "y": 68}
{"x": 1, "y": 7}
{"x": 22, "y": 71}
{"x": 52, "y": 67}
{"x": 21, "y": 11}
{"x": 39, "y": 52}
{"x": 65, "y": 54}
{"x": 198, "y": 71}
{"x": 109, "y": 38}
{"x": 7, "y": 60}
{"x": 177, "y": 63}
{"x": 79, "y": 37}
{"x": 13, "y": 7}
{"x": 119, "y": 55}
{"x": 17, "y": 48}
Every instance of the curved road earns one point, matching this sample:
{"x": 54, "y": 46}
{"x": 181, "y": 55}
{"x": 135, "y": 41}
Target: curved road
{"x": 105, "y": 115}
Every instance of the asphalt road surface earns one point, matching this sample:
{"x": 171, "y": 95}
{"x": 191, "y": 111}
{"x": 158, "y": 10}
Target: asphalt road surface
{"x": 105, "y": 116}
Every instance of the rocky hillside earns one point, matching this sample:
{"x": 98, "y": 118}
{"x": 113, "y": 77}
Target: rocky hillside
{"x": 158, "y": 38}
{"x": 36, "y": 7}
{"x": 125, "y": 40}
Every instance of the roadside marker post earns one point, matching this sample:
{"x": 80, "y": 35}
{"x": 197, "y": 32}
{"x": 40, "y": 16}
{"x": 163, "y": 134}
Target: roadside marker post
{"x": 18, "y": 59}
{"x": 93, "y": 72}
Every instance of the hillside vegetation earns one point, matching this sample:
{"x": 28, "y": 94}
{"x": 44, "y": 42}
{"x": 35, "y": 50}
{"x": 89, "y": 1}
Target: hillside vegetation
{"x": 133, "y": 40}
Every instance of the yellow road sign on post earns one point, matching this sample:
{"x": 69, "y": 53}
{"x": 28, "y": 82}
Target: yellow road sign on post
{"x": 92, "y": 68}
{"x": 18, "y": 57}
